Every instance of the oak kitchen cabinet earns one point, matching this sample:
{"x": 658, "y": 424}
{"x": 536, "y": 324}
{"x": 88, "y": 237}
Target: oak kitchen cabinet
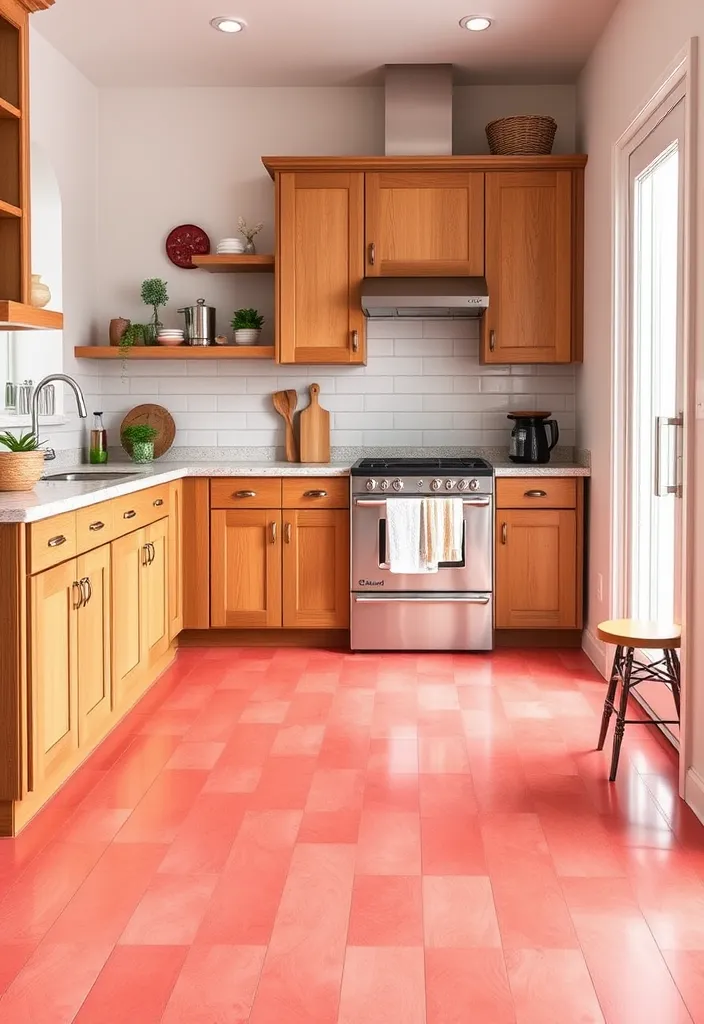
{"x": 316, "y": 575}
{"x": 175, "y": 558}
{"x": 245, "y": 568}
{"x": 539, "y": 542}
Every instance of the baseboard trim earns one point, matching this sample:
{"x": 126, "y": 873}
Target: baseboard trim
{"x": 694, "y": 792}
{"x": 537, "y": 638}
{"x": 324, "y": 639}
{"x": 597, "y": 652}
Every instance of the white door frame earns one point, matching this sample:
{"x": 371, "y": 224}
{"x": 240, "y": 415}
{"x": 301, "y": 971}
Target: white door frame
{"x": 681, "y": 75}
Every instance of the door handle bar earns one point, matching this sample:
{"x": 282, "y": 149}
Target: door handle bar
{"x": 471, "y": 502}
{"x": 424, "y": 599}
{"x": 676, "y": 488}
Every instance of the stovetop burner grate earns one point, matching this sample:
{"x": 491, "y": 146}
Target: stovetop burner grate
{"x": 420, "y": 465}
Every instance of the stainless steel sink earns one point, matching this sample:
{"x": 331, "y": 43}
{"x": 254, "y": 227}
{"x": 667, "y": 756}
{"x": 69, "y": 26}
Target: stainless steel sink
{"x": 86, "y": 476}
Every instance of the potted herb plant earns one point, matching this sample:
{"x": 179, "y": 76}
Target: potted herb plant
{"x": 21, "y": 462}
{"x": 154, "y": 294}
{"x": 138, "y": 441}
{"x": 247, "y": 325}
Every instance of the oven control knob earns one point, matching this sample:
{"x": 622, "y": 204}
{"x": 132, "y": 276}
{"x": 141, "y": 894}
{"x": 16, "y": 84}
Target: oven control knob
{"x": 385, "y": 485}
{"x": 449, "y": 485}
{"x": 371, "y": 485}
{"x": 463, "y": 485}
{"x": 435, "y": 485}
{"x": 397, "y": 485}
{"x": 474, "y": 485}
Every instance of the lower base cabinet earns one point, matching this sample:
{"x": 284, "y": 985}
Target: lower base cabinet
{"x": 93, "y": 571}
{"x": 316, "y": 577}
{"x": 245, "y": 568}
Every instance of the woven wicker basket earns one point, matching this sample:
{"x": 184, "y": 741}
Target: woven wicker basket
{"x": 528, "y": 135}
{"x": 20, "y": 471}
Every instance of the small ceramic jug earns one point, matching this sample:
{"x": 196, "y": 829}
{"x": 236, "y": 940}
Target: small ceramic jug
{"x": 39, "y": 294}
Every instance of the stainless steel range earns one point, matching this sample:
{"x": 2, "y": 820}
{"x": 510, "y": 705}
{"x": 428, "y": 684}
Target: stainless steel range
{"x": 449, "y": 610}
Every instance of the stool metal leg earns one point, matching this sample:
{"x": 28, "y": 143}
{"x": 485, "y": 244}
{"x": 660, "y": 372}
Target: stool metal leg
{"x": 673, "y": 664}
{"x": 610, "y": 696}
{"x": 621, "y": 716}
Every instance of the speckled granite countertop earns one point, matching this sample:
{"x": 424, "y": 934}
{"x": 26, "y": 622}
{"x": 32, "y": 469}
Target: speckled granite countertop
{"x": 50, "y": 498}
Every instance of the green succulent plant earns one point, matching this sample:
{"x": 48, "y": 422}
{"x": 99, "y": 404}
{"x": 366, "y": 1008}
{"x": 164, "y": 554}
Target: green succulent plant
{"x": 24, "y": 443}
{"x": 140, "y": 433}
{"x": 247, "y": 320}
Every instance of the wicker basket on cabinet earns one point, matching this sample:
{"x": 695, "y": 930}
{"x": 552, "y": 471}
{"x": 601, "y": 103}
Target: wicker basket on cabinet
{"x": 525, "y": 135}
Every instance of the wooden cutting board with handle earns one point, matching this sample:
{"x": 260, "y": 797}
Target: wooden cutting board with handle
{"x": 315, "y": 430}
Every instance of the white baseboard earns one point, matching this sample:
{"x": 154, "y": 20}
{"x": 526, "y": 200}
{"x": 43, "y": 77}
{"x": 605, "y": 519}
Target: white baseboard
{"x": 694, "y": 792}
{"x": 597, "y": 652}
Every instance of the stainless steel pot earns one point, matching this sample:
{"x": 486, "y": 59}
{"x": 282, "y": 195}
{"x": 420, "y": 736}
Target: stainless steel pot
{"x": 200, "y": 323}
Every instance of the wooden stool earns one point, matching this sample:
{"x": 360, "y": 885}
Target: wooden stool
{"x": 631, "y": 635}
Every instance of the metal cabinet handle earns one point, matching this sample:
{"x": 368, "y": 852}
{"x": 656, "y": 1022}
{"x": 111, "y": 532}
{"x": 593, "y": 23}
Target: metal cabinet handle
{"x": 535, "y": 494}
{"x": 245, "y": 494}
{"x": 158, "y": 502}
{"x": 287, "y": 533}
{"x": 96, "y": 526}
{"x": 492, "y": 341}
{"x": 372, "y": 254}
{"x": 504, "y": 533}
{"x": 152, "y": 552}
{"x": 355, "y": 341}
{"x": 668, "y": 488}
{"x": 315, "y": 494}
{"x": 77, "y": 599}
{"x": 272, "y": 527}
{"x": 86, "y": 589}
{"x": 145, "y": 554}
{"x": 129, "y": 515}
{"x": 56, "y": 542}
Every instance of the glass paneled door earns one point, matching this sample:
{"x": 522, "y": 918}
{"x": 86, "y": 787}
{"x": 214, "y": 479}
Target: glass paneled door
{"x": 655, "y": 361}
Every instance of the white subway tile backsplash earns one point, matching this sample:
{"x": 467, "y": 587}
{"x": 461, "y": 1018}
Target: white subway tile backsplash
{"x": 423, "y": 385}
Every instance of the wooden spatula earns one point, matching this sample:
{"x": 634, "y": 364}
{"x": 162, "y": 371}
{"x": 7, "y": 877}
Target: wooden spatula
{"x": 285, "y": 403}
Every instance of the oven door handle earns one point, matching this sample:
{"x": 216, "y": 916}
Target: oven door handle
{"x": 471, "y": 502}
{"x": 424, "y": 598}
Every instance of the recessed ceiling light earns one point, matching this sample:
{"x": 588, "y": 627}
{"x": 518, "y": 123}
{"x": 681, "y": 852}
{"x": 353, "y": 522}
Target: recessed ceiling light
{"x": 227, "y": 24}
{"x": 474, "y": 23}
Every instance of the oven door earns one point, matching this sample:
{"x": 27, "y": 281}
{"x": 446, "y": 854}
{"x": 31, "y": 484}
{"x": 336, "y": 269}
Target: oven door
{"x": 370, "y": 569}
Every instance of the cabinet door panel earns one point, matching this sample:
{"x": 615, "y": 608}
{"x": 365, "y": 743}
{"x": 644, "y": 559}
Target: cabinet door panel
{"x": 156, "y": 591}
{"x": 245, "y": 569}
{"x": 175, "y": 558}
{"x": 94, "y": 689}
{"x": 320, "y": 266}
{"x": 53, "y": 672}
{"x": 529, "y": 267}
{"x": 316, "y": 570}
{"x": 128, "y": 556}
{"x": 536, "y": 569}
{"x": 425, "y": 223}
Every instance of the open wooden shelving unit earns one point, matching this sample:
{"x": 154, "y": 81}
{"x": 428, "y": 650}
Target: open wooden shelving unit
{"x": 16, "y": 311}
{"x": 176, "y": 352}
{"x": 235, "y": 264}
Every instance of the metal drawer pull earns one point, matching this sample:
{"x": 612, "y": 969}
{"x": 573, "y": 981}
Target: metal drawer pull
{"x": 272, "y": 527}
{"x": 535, "y": 494}
{"x": 315, "y": 494}
{"x": 355, "y": 341}
{"x": 129, "y": 515}
{"x": 96, "y": 526}
{"x": 77, "y": 602}
{"x": 145, "y": 554}
{"x": 86, "y": 589}
{"x": 504, "y": 533}
{"x": 372, "y": 254}
{"x": 56, "y": 542}
{"x": 151, "y": 551}
{"x": 158, "y": 502}
{"x": 245, "y": 494}
{"x": 287, "y": 533}
{"x": 429, "y": 599}
{"x": 492, "y": 341}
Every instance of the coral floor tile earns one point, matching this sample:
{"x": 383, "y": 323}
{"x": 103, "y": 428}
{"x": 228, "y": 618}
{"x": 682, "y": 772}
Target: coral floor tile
{"x": 301, "y": 836}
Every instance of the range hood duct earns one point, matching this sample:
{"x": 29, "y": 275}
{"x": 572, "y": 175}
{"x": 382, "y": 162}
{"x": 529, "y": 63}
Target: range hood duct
{"x": 400, "y": 298}
{"x": 418, "y": 106}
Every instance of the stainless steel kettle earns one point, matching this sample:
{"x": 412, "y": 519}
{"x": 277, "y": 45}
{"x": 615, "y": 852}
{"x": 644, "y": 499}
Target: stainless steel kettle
{"x": 200, "y": 323}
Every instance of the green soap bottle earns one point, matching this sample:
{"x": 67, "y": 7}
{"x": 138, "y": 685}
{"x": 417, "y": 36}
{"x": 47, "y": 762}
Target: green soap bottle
{"x": 98, "y": 441}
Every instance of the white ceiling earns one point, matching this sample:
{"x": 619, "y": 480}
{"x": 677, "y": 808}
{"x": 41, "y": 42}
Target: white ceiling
{"x": 320, "y": 42}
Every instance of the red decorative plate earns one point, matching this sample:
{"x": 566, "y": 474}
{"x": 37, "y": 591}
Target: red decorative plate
{"x": 184, "y": 242}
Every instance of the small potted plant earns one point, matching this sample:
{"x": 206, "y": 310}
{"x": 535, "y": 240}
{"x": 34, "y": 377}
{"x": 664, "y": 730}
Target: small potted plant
{"x": 21, "y": 462}
{"x": 154, "y": 294}
{"x": 138, "y": 442}
{"x": 247, "y": 325}
{"x": 249, "y": 234}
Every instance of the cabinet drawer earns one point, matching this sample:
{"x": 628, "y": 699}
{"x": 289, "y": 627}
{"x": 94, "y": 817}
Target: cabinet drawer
{"x": 245, "y": 492}
{"x": 536, "y": 492}
{"x": 95, "y": 525}
{"x": 52, "y": 541}
{"x": 140, "y": 509}
{"x": 316, "y": 492}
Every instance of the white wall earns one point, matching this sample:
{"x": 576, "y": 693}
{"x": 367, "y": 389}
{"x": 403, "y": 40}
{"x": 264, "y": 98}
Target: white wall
{"x": 634, "y": 52}
{"x": 64, "y": 107}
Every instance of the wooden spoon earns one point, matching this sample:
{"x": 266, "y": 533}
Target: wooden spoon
{"x": 285, "y": 403}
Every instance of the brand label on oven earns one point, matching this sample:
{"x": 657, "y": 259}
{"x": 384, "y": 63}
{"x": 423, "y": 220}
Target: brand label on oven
{"x": 370, "y": 583}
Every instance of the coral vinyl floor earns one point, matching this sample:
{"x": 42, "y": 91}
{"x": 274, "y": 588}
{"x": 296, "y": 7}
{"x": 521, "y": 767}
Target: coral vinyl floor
{"x": 311, "y": 837}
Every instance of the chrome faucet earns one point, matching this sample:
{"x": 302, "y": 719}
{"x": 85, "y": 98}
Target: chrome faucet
{"x": 80, "y": 403}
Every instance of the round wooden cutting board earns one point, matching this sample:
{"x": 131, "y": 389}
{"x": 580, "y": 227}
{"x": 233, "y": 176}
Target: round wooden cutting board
{"x": 152, "y": 416}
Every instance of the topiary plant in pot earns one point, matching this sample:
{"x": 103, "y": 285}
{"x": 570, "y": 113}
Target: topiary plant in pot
{"x": 21, "y": 462}
{"x": 247, "y": 325}
{"x": 154, "y": 294}
{"x": 138, "y": 442}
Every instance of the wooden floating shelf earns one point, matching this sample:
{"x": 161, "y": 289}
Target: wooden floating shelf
{"x": 235, "y": 264}
{"x": 8, "y": 210}
{"x": 9, "y": 109}
{"x": 176, "y": 352}
{"x": 16, "y": 316}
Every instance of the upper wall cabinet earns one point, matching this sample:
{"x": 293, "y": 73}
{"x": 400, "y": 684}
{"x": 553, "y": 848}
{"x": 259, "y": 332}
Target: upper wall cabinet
{"x": 425, "y": 223}
{"x": 320, "y": 266}
{"x": 533, "y": 268}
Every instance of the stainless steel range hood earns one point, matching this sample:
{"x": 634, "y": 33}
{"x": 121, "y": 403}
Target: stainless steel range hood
{"x": 395, "y": 298}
